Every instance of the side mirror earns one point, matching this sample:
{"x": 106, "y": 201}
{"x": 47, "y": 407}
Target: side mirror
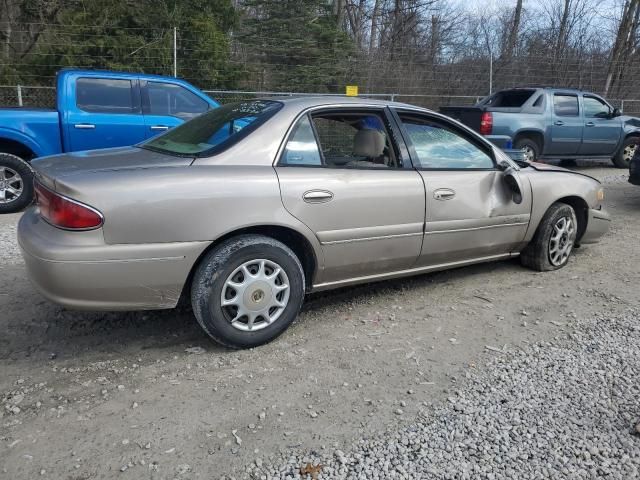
{"x": 616, "y": 112}
{"x": 512, "y": 180}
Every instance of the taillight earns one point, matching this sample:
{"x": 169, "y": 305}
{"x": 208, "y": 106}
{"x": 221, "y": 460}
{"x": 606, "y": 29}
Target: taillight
{"x": 64, "y": 212}
{"x": 486, "y": 123}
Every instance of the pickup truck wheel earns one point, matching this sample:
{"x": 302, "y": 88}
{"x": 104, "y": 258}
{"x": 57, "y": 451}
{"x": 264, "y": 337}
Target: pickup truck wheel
{"x": 247, "y": 291}
{"x": 553, "y": 241}
{"x": 16, "y": 183}
{"x": 623, "y": 158}
{"x": 530, "y": 147}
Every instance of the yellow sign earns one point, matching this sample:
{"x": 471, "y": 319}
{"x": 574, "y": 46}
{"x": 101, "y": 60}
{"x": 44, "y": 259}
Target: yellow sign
{"x": 352, "y": 90}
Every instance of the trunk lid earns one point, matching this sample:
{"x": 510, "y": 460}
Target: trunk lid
{"x": 50, "y": 169}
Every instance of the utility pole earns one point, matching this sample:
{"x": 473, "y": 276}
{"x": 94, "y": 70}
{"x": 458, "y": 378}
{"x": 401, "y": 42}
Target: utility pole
{"x": 490, "y": 72}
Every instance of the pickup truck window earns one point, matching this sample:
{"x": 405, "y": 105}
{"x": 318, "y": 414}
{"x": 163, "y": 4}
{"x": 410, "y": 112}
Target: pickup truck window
{"x": 594, "y": 107}
{"x": 439, "y": 147}
{"x": 174, "y": 100}
{"x": 509, "y": 98}
{"x": 105, "y": 95}
{"x": 565, "y": 105}
{"x": 215, "y": 130}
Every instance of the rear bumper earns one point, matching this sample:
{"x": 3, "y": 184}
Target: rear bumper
{"x": 598, "y": 224}
{"x": 78, "y": 270}
{"x": 500, "y": 141}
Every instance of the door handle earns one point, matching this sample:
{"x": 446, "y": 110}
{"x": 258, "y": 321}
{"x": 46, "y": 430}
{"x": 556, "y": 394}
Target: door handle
{"x": 444, "y": 194}
{"x": 317, "y": 196}
{"x": 589, "y": 124}
{"x": 159, "y": 127}
{"x": 559, "y": 123}
{"x": 85, "y": 126}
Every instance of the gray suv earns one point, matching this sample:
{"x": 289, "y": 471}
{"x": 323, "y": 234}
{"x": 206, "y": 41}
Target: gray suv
{"x": 553, "y": 123}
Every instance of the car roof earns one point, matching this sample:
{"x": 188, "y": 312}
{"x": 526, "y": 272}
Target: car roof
{"x": 309, "y": 101}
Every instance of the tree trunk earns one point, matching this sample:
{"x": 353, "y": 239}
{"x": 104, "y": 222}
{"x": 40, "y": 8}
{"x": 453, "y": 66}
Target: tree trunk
{"x": 374, "y": 25}
{"x": 512, "y": 40}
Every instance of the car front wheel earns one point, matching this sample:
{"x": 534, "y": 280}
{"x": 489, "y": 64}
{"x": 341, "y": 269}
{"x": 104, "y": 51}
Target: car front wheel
{"x": 247, "y": 291}
{"x": 554, "y": 240}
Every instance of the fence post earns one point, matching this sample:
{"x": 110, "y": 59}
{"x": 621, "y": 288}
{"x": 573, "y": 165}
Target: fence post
{"x": 175, "y": 52}
{"x": 393, "y": 97}
{"x": 622, "y": 106}
{"x": 19, "y": 88}
{"x": 490, "y": 73}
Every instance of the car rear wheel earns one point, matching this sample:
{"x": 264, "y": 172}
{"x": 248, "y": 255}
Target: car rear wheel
{"x": 16, "y": 183}
{"x": 623, "y": 158}
{"x": 530, "y": 148}
{"x": 554, "y": 240}
{"x": 247, "y": 291}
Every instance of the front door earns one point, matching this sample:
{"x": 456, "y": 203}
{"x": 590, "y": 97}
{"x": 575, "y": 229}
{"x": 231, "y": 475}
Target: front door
{"x": 342, "y": 175}
{"x": 566, "y": 127}
{"x": 106, "y": 114}
{"x": 602, "y": 132}
{"x": 470, "y": 212}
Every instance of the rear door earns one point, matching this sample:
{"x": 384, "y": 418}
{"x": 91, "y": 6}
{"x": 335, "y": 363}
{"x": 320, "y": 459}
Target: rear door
{"x": 566, "y": 126}
{"x": 601, "y": 133}
{"x": 103, "y": 112}
{"x": 470, "y": 213}
{"x": 166, "y": 105}
{"x": 343, "y": 174}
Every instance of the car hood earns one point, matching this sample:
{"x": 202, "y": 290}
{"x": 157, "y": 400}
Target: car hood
{"x": 545, "y": 167}
{"x": 48, "y": 169}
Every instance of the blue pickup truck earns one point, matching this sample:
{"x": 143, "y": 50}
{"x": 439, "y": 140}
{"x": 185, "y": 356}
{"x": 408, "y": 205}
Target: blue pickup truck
{"x": 95, "y": 109}
{"x": 553, "y": 123}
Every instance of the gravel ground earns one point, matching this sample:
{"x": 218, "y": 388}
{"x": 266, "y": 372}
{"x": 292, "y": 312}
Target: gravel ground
{"x": 479, "y": 358}
{"x": 567, "y": 408}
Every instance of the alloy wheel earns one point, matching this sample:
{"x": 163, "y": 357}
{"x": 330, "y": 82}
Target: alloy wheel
{"x": 11, "y": 185}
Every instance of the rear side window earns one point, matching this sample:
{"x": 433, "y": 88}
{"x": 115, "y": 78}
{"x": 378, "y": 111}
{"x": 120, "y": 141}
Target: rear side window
{"x": 566, "y": 105}
{"x": 302, "y": 148}
{"x": 174, "y": 100}
{"x": 105, "y": 95}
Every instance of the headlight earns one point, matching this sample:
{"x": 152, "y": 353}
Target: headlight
{"x": 600, "y": 195}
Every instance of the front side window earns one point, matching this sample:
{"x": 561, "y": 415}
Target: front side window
{"x": 105, "y": 95}
{"x": 594, "y": 107}
{"x": 438, "y": 146}
{"x": 215, "y": 130}
{"x": 174, "y": 100}
{"x": 566, "y": 105}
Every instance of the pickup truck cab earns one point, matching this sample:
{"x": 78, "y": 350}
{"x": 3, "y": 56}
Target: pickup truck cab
{"x": 553, "y": 123}
{"x": 95, "y": 109}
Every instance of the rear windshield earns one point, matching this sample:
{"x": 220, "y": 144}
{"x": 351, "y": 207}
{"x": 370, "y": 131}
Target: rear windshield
{"x": 508, "y": 98}
{"x": 215, "y": 130}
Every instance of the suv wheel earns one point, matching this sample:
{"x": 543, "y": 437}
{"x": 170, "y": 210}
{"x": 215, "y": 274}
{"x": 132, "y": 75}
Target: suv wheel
{"x": 623, "y": 158}
{"x": 247, "y": 291}
{"x": 16, "y": 183}
{"x": 530, "y": 147}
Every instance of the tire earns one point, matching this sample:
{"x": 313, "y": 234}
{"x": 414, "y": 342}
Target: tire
{"x": 16, "y": 183}
{"x": 623, "y": 157}
{"x": 222, "y": 267}
{"x": 531, "y": 148}
{"x": 542, "y": 253}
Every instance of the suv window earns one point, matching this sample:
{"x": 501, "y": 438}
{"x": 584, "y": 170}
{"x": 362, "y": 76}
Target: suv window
{"x": 566, "y": 105}
{"x": 594, "y": 107}
{"x": 105, "y": 95}
{"x": 509, "y": 98}
{"x": 440, "y": 147}
{"x": 174, "y": 100}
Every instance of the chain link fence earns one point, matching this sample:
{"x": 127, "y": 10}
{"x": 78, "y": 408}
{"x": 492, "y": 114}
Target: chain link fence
{"x": 45, "y": 97}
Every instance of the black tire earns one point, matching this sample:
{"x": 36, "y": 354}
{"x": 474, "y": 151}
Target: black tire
{"x": 212, "y": 274}
{"x": 537, "y": 255}
{"x": 11, "y": 165}
{"x": 530, "y": 146}
{"x": 622, "y": 157}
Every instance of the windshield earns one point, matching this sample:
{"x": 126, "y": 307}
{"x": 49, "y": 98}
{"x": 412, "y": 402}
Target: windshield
{"x": 214, "y": 131}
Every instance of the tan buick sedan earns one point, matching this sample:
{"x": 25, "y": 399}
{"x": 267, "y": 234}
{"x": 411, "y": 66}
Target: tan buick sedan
{"x": 248, "y": 207}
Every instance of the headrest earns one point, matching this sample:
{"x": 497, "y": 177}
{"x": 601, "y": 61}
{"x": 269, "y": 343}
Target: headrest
{"x": 369, "y": 143}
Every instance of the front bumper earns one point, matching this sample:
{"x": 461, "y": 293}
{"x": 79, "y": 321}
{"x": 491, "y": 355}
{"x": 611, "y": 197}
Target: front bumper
{"x": 598, "y": 224}
{"x": 79, "y": 270}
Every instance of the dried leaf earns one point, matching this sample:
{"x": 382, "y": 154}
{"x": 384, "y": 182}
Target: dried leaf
{"x": 309, "y": 469}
